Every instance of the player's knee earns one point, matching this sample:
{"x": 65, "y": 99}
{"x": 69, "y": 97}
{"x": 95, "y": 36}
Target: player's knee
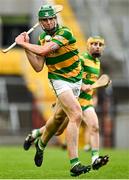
{"x": 76, "y": 116}
{"x": 94, "y": 129}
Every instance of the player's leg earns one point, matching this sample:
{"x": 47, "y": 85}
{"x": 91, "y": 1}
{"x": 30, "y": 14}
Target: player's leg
{"x": 50, "y": 129}
{"x": 77, "y": 168}
{"x": 87, "y": 146}
{"x": 72, "y": 108}
{"x": 31, "y": 137}
{"x": 61, "y": 134}
{"x": 53, "y": 124}
{"x": 62, "y": 127}
{"x": 69, "y": 105}
{"x": 91, "y": 119}
{"x": 35, "y": 133}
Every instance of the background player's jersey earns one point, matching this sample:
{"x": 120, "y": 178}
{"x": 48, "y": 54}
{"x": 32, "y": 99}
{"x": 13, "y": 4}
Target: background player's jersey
{"x": 91, "y": 71}
{"x": 63, "y": 63}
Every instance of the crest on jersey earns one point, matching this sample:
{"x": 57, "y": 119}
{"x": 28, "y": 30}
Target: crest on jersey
{"x": 61, "y": 32}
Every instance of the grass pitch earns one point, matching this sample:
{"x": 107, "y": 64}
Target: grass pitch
{"x": 15, "y": 163}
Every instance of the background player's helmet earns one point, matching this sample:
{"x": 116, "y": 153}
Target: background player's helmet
{"x": 48, "y": 11}
{"x": 94, "y": 39}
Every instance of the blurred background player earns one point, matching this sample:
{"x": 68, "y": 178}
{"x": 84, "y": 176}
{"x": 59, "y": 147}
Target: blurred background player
{"x": 91, "y": 72}
{"x": 65, "y": 74}
{"x": 87, "y": 146}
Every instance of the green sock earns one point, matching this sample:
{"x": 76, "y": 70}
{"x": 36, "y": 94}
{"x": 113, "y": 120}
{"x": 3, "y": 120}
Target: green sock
{"x": 36, "y": 133}
{"x": 94, "y": 154}
{"x": 41, "y": 144}
{"x": 74, "y": 161}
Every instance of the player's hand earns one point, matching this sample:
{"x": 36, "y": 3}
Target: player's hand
{"x": 86, "y": 87}
{"x": 23, "y": 37}
{"x": 109, "y": 83}
{"x": 26, "y": 37}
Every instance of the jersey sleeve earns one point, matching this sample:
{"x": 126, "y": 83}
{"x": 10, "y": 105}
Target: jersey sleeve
{"x": 41, "y": 38}
{"x": 64, "y": 37}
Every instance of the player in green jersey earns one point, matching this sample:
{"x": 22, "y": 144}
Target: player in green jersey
{"x": 57, "y": 48}
{"x": 91, "y": 72}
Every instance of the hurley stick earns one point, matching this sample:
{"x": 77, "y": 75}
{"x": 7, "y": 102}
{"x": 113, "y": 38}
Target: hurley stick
{"x": 104, "y": 80}
{"x": 14, "y": 44}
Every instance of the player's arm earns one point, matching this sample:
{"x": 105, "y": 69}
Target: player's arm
{"x": 35, "y": 53}
{"x": 36, "y": 61}
{"x": 37, "y": 49}
{"x": 40, "y": 50}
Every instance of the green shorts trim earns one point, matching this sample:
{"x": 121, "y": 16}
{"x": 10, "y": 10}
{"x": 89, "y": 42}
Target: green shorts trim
{"x": 86, "y": 107}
